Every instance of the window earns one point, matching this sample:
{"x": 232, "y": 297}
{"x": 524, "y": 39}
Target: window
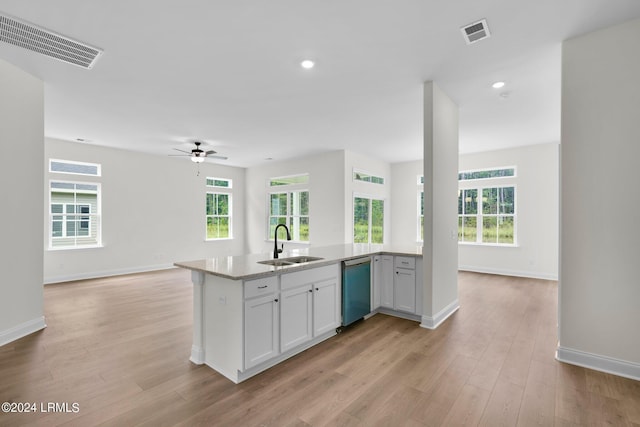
{"x": 74, "y": 214}
{"x": 218, "y": 217}
{"x": 498, "y": 213}
{"x": 74, "y": 168}
{"x": 218, "y": 209}
{"x": 487, "y": 173}
{"x": 366, "y": 177}
{"x": 289, "y": 180}
{"x": 467, "y": 215}
{"x": 219, "y": 182}
{"x": 487, "y": 212}
{"x": 289, "y": 205}
{"x": 487, "y": 215}
{"x": 368, "y": 220}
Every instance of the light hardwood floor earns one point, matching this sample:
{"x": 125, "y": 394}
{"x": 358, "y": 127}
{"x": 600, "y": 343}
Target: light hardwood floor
{"x": 119, "y": 348}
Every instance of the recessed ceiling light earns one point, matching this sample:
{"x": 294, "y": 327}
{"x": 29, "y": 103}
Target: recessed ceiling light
{"x": 497, "y": 85}
{"x": 307, "y": 64}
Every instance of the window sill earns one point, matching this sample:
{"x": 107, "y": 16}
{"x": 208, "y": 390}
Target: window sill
{"x": 73, "y": 248}
{"x": 218, "y": 239}
{"x": 297, "y": 242}
{"x": 493, "y": 245}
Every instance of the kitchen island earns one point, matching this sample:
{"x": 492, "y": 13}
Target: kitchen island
{"x": 249, "y": 316}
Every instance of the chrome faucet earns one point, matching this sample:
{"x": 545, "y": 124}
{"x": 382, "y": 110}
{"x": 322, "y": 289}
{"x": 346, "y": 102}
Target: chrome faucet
{"x": 277, "y": 250}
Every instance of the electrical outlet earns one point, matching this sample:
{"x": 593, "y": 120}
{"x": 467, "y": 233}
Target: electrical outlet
{"x": 222, "y": 300}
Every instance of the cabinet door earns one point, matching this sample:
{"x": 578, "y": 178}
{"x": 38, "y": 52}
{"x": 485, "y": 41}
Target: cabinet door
{"x": 326, "y": 306}
{"x": 405, "y": 290}
{"x": 261, "y": 330}
{"x": 386, "y": 281}
{"x": 376, "y": 283}
{"x": 295, "y": 317}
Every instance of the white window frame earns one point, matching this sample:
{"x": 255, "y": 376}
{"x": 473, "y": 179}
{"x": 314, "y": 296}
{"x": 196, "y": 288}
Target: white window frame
{"x": 515, "y": 174}
{"x": 94, "y": 217}
{"x": 369, "y": 174}
{"x": 480, "y": 216}
{"x": 229, "y": 215}
{"x": 371, "y": 198}
{"x": 229, "y": 187}
{"x": 71, "y": 162}
{"x": 289, "y": 189}
{"x": 217, "y": 190}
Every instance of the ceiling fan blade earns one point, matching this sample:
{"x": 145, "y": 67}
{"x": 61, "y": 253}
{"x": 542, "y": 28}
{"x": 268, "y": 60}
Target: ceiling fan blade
{"x": 182, "y": 151}
{"x": 179, "y": 155}
{"x": 210, "y": 152}
{"x": 217, "y": 157}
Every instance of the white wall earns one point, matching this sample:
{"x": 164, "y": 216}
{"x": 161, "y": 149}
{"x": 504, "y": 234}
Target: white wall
{"x": 153, "y": 212}
{"x": 21, "y": 151}
{"x": 404, "y": 210}
{"x": 440, "y": 249}
{"x": 600, "y": 203}
{"x": 537, "y": 187}
{"x": 326, "y": 201}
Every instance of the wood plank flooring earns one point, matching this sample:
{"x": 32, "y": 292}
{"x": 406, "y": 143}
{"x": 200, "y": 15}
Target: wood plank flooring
{"x": 119, "y": 348}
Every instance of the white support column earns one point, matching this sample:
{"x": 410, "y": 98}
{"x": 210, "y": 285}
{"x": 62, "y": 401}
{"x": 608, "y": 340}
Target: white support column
{"x": 197, "y": 348}
{"x": 440, "y": 249}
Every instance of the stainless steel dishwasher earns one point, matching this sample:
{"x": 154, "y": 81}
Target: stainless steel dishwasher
{"x": 356, "y": 289}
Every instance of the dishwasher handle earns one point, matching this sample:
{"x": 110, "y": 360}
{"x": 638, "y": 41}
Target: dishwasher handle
{"x": 356, "y": 261}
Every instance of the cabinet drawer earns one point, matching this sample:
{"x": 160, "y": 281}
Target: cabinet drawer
{"x": 311, "y": 275}
{"x": 254, "y": 288}
{"x": 405, "y": 262}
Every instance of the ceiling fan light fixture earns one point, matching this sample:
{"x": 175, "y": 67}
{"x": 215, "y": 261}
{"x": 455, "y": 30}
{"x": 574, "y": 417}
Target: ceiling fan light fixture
{"x": 307, "y": 64}
{"x": 197, "y": 159}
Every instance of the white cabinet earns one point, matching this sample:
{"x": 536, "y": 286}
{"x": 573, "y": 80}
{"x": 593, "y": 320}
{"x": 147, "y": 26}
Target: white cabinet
{"x": 404, "y": 284}
{"x": 326, "y": 305}
{"x": 310, "y": 304}
{"x": 404, "y": 291}
{"x": 397, "y": 283}
{"x": 296, "y": 315}
{"x": 282, "y": 313}
{"x": 383, "y": 281}
{"x": 261, "y": 329}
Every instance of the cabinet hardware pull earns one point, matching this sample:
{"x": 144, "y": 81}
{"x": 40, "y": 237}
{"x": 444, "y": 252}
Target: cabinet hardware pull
{"x": 310, "y": 290}
{"x": 317, "y": 289}
{"x": 275, "y": 300}
{"x": 262, "y": 287}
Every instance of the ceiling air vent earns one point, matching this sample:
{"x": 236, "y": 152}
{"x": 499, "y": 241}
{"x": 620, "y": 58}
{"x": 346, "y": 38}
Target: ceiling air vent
{"x": 48, "y": 43}
{"x": 475, "y": 32}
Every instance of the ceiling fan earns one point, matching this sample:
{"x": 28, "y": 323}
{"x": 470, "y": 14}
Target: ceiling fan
{"x": 197, "y": 154}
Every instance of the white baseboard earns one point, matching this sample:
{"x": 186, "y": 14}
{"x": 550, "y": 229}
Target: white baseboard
{"x": 503, "y": 272}
{"x": 22, "y": 330}
{"x": 429, "y": 322}
{"x": 106, "y": 273}
{"x": 400, "y": 314}
{"x": 197, "y": 355}
{"x": 599, "y": 363}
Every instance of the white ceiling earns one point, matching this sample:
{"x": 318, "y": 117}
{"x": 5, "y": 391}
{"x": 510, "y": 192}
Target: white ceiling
{"x": 227, "y": 72}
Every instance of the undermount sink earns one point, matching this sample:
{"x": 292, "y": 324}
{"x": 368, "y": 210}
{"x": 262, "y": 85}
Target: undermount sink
{"x": 279, "y": 262}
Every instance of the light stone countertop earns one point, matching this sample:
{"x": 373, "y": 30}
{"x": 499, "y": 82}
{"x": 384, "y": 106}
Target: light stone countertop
{"x": 243, "y": 267}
